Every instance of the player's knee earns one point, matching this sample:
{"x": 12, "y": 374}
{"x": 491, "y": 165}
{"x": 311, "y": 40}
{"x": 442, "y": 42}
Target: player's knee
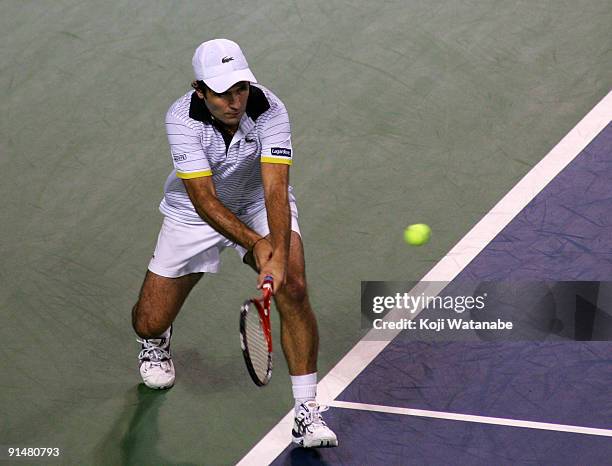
{"x": 295, "y": 290}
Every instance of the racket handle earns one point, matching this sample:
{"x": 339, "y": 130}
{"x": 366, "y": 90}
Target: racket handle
{"x": 268, "y": 281}
{"x": 267, "y": 284}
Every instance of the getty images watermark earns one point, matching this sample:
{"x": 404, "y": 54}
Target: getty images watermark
{"x": 410, "y": 304}
{"x": 492, "y": 310}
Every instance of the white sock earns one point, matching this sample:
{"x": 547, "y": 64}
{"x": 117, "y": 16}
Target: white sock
{"x": 304, "y": 388}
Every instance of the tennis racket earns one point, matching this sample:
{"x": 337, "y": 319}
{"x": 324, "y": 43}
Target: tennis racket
{"x": 256, "y": 335}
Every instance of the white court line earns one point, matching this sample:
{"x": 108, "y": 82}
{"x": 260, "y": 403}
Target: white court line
{"x": 349, "y": 367}
{"x": 497, "y": 421}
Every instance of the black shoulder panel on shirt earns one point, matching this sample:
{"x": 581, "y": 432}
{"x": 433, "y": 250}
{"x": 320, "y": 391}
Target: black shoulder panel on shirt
{"x": 257, "y": 103}
{"x": 256, "y": 106}
{"x": 198, "y": 110}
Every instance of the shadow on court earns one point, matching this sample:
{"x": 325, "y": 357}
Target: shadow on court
{"x": 139, "y": 442}
{"x": 306, "y": 457}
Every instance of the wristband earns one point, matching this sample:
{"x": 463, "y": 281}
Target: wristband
{"x": 255, "y": 243}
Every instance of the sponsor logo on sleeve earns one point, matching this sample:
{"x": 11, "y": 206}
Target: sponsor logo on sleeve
{"x": 179, "y": 157}
{"x": 281, "y": 151}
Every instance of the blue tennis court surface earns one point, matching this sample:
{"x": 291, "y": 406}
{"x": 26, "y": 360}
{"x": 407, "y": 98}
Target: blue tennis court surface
{"x": 385, "y": 439}
{"x": 565, "y": 233}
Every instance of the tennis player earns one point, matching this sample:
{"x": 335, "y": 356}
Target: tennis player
{"x": 230, "y": 143}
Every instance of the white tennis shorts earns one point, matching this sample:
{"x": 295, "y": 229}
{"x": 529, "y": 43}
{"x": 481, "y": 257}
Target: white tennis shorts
{"x": 184, "y": 248}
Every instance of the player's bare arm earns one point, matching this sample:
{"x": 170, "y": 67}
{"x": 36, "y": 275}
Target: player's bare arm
{"x": 203, "y": 196}
{"x": 275, "y": 179}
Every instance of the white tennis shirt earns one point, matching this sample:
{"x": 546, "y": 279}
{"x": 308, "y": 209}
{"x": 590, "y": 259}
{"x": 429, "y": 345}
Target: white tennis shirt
{"x": 198, "y": 149}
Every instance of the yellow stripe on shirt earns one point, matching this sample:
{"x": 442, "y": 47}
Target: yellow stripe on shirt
{"x": 188, "y": 176}
{"x": 275, "y": 160}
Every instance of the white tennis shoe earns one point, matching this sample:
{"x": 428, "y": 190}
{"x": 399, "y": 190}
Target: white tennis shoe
{"x": 310, "y": 430}
{"x": 156, "y": 367}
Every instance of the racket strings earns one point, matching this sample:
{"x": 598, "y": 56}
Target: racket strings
{"x": 257, "y": 344}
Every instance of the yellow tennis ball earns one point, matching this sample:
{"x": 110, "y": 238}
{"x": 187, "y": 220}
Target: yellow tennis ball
{"x": 417, "y": 234}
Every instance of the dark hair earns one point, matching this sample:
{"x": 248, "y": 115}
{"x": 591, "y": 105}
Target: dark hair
{"x": 200, "y": 86}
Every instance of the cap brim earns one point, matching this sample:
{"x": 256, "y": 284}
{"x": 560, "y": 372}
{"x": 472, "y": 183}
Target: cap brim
{"x": 222, "y": 83}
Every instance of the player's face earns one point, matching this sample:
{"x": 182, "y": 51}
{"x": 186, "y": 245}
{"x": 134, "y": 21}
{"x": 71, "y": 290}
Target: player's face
{"x": 229, "y": 106}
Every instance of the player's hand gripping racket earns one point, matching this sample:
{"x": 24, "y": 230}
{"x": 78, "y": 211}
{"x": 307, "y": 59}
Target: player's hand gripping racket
{"x": 256, "y": 335}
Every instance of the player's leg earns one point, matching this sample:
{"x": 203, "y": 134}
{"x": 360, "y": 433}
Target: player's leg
{"x": 299, "y": 333}
{"x": 300, "y": 341}
{"x": 299, "y": 338}
{"x": 182, "y": 253}
{"x": 159, "y": 302}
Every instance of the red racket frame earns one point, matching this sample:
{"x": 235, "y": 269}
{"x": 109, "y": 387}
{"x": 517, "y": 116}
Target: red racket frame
{"x": 263, "y": 309}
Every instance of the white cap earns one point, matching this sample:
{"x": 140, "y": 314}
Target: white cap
{"x": 220, "y": 64}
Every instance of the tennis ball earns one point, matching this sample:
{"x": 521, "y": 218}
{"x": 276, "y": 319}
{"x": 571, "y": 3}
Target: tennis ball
{"x": 417, "y": 234}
